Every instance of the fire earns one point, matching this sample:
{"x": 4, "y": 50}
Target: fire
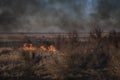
{"x": 51, "y": 48}
{"x": 32, "y": 48}
{"x": 43, "y": 48}
{"x": 28, "y": 48}
{"x": 25, "y": 47}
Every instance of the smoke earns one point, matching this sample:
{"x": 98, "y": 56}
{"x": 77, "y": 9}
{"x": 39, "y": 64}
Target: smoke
{"x": 108, "y": 14}
{"x": 58, "y": 15}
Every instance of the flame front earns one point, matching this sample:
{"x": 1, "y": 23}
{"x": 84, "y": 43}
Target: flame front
{"x": 51, "y": 48}
{"x": 43, "y": 48}
{"x": 30, "y": 47}
{"x": 25, "y": 47}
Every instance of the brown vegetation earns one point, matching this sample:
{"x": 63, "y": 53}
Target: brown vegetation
{"x": 98, "y": 58}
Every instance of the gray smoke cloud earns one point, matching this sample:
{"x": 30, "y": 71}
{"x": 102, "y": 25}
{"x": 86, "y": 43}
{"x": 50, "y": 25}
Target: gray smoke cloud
{"x": 58, "y": 15}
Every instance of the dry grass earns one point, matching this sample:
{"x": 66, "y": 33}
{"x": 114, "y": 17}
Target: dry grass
{"x": 96, "y": 59}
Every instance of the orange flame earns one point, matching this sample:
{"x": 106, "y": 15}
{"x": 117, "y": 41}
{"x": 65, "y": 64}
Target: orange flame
{"x": 43, "y": 48}
{"x": 28, "y": 48}
{"x": 32, "y": 48}
{"x": 25, "y": 47}
{"x": 51, "y": 48}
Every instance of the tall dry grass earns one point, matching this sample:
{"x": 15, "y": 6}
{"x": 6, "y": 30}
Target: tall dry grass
{"x": 98, "y": 58}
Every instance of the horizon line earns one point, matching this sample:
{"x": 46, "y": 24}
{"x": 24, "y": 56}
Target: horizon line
{"x": 46, "y": 32}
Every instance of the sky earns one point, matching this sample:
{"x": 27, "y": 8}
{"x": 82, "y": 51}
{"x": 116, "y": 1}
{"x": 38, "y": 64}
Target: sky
{"x": 57, "y": 16}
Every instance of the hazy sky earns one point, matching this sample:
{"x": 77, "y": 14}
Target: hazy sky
{"x": 58, "y": 15}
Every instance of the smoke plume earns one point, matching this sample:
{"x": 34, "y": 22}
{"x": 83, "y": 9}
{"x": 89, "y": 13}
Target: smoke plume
{"x": 58, "y": 15}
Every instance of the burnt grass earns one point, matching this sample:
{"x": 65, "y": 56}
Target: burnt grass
{"x": 97, "y": 58}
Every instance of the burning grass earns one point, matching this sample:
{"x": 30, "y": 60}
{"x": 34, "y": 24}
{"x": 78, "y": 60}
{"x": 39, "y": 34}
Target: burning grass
{"x": 30, "y": 47}
{"x": 71, "y": 59}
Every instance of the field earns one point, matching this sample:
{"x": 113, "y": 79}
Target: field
{"x": 92, "y": 56}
